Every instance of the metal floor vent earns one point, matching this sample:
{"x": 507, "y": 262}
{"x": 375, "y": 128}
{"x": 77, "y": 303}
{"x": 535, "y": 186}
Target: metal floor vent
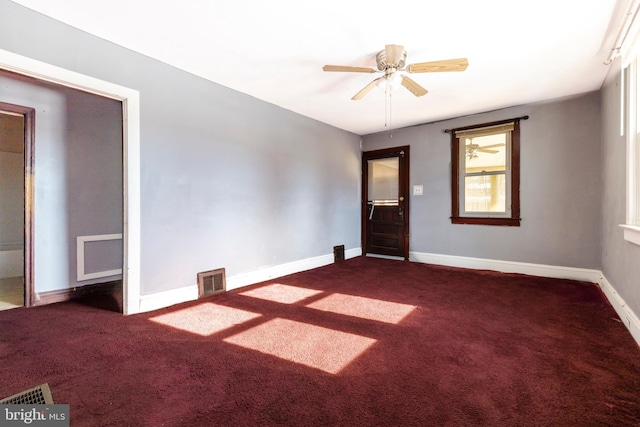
{"x": 40, "y": 395}
{"x": 211, "y": 282}
{"x": 338, "y": 253}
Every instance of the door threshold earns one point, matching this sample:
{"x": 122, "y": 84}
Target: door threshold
{"x": 398, "y": 258}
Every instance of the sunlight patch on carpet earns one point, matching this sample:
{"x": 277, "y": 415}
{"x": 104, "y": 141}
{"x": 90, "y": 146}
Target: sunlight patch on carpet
{"x": 309, "y": 345}
{"x": 205, "y": 319}
{"x": 284, "y": 294}
{"x": 366, "y": 308}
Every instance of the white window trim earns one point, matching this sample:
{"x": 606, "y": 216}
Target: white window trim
{"x": 631, "y": 233}
{"x": 631, "y": 228}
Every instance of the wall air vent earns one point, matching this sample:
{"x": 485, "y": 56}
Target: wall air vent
{"x": 338, "y": 253}
{"x": 211, "y": 282}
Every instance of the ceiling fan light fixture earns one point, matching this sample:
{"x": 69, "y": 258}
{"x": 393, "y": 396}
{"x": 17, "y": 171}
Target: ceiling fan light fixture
{"x": 395, "y": 80}
{"x": 472, "y": 151}
{"x": 390, "y": 81}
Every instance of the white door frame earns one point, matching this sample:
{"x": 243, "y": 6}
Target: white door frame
{"x": 130, "y": 99}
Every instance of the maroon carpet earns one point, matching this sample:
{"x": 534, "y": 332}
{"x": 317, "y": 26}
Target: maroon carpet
{"x": 365, "y": 342}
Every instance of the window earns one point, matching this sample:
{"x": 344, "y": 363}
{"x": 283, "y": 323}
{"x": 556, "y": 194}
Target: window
{"x": 631, "y": 97}
{"x": 485, "y": 174}
{"x": 628, "y": 46}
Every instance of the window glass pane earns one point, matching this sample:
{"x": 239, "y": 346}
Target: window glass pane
{"x": 485, "y": 193}
{"x": 383, "y": 179}
{"x": 485, "y": 153}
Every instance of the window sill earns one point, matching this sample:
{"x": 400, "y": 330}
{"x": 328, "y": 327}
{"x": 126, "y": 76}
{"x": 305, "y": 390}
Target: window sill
{"x": 631, "y": 233}
{"x": 512, "y": 222}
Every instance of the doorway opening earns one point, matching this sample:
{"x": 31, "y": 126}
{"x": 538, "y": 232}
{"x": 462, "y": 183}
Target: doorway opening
{"x": 131, "y": 150}
{"x": 131, "y": 139}
{"x": 385, "y": 202}
{"x": 16, "y": 206}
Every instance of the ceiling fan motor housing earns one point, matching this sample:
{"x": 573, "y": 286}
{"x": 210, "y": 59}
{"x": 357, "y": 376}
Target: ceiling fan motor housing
{"x": 381, "y": 60}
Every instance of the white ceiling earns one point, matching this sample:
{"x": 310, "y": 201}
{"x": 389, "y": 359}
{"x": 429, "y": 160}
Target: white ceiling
{"x": 519, "y": 51}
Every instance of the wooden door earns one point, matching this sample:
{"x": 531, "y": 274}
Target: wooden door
{"x": 385, "y": 202}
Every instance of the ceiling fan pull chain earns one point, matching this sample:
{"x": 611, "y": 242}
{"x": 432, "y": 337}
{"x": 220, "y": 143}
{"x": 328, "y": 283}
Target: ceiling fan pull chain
{"x": 386, "y": 106}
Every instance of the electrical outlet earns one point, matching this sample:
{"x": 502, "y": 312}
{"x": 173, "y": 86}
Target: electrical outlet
{"x": 417, "y": 190}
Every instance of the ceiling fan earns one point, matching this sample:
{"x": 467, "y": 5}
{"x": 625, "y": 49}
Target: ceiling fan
{"x": 473, "y": 149}
{"x": 393, "y": 59}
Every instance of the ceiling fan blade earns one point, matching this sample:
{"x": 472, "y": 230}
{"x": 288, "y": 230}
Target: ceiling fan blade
{"x": 459, "y": 64}
{"x": 348, "y": 69}
{"x": 413, "y": 87}
{"x": 393, "y": 53}
{"x": 492, "y": 146}
{"x": 366, "y": 89}
{"x": 488, "y": 151}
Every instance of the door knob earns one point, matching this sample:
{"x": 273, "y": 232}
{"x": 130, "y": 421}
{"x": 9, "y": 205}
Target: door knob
{"x": 401, "y": 199}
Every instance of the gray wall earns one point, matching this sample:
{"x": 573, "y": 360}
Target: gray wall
{"x": 560, "y": 187}
{"x": 78, "y": 177}
{"x": 227, "y": 180}
{"x": 619, "y": 258}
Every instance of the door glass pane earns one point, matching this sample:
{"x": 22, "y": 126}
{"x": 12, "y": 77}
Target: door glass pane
{"x": 383, "y": 181}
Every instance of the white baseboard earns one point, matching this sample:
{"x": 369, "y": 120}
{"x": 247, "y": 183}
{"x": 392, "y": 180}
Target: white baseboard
{"x": 352, "y": 253}
{"x": 166, "y": 298}
{"x": 626, "y": 314}
{"x": 628, "y": 317}
{"x": 274, "y": 272}
{"x": 542, "y": 270}
{"x": 189, "y": 293}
